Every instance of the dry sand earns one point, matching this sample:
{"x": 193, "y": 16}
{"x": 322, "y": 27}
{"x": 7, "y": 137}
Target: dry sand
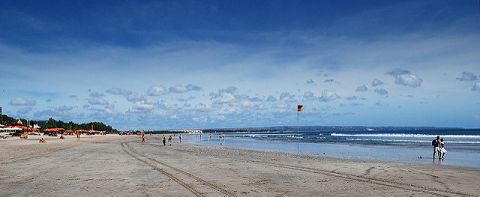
{"x": 123, "y": 166}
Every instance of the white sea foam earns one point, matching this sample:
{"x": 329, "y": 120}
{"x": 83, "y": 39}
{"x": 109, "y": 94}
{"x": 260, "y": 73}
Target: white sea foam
{"x": 412, "y": 141}
{"x": 293, "y": 136}
{"x": 264, "y": 135}
{"x": 403, "y": 135}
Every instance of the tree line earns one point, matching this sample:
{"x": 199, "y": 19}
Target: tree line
{"x": 52, "y": 123}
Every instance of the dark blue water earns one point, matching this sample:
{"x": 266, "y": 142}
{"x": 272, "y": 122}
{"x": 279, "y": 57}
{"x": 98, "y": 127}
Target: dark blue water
{"x": 410, "y": 146}
{"x": 399, "y": 137}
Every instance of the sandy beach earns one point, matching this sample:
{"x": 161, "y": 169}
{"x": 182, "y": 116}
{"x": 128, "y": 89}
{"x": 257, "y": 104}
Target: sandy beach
{"x": 123, "y": 166}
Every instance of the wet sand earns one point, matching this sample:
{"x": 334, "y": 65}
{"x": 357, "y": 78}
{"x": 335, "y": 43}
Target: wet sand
{"x": 123, "y": 166}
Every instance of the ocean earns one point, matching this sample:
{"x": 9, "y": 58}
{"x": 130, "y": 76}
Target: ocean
{"x": 399, "y": 145}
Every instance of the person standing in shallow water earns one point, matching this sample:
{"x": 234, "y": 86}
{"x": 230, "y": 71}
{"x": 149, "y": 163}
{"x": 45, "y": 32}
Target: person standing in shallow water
{"x": 164, "y": 141}
{"x": 436, "y": 148}
{"x": 442, "y": 149}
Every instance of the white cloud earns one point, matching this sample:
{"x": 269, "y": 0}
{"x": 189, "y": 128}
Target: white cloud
{"x": 63, "y": 108}
{"x": 467, "y": 76}
{"x": 94, "y": 94}
{"x": 135, "y": 97}
{"x": 381, "y": 91}
{"x": 22, "y": 102}
{"x": 157, "y": 90}
{"x": 97, "y": 101}
{"x": 227, "y": 97}
{"x": 404, "y": 77}
{"x": 271, "y": 99}
{"x": 143, "y": 107}
{"x": 376, "y": 82}
{"x": 228, "y": 101}
{"x": 308, "y": 95}
{"x": 184, "y": 88}
{"x": 362, "y": 88}
{"x": 225, "y": 93}
{"x": 286, "y": 96}
{"x": 328, "y": 96}
{"x": 119, "y": 91}
{"x": 352, "y": 98}
{"x": 476, "y": 86}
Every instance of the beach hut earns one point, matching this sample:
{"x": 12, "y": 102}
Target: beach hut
{"x": 13, "y": 130}
{"x": 69, "y": 132}
{"x": 54, "y": 131}
{"x": 91, "y": 132}
{"x": 79, "y": 131}
{"x": 29, "y": 130}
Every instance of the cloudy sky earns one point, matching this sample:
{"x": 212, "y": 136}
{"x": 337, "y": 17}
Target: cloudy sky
{"x": 210, "y": 64}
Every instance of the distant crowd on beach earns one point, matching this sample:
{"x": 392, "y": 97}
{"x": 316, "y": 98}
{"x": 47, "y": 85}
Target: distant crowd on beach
{"x": 164, "y": 139}
{"x": 439, "y": 148}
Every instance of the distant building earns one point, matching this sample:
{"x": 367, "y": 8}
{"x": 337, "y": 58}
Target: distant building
{"x": 189, "y": 131}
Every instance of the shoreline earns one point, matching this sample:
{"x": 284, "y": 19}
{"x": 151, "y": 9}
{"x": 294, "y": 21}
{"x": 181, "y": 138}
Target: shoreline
{"x": 338, "y": 159}
{"x": 388, "y": 153}
{"x": 124, "y": 166}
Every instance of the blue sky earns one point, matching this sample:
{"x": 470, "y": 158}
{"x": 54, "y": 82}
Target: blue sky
{"x": 210, "y": 64}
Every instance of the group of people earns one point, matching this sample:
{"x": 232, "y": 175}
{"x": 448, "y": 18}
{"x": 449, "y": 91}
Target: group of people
{"x": 439, "y": 148}
{"x": 164, "y": 139}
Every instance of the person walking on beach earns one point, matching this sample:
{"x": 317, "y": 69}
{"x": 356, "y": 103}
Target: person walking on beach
{"x": 442, "y": 149}
{"x": 143, "y": 137}
{"x": 180, "y": 138}
{"x": 170, "y": 140}
{"x": 164, "y": 141}
{"x": 436, "y": 149}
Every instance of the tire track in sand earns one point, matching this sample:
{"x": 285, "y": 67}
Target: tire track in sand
{"x": 361, "y": 178}
{"x": 212, "y": 185}
{"x": 382, "y": 182}
{"x": 154, "y": 164}
{"x": 46, "y": 152}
